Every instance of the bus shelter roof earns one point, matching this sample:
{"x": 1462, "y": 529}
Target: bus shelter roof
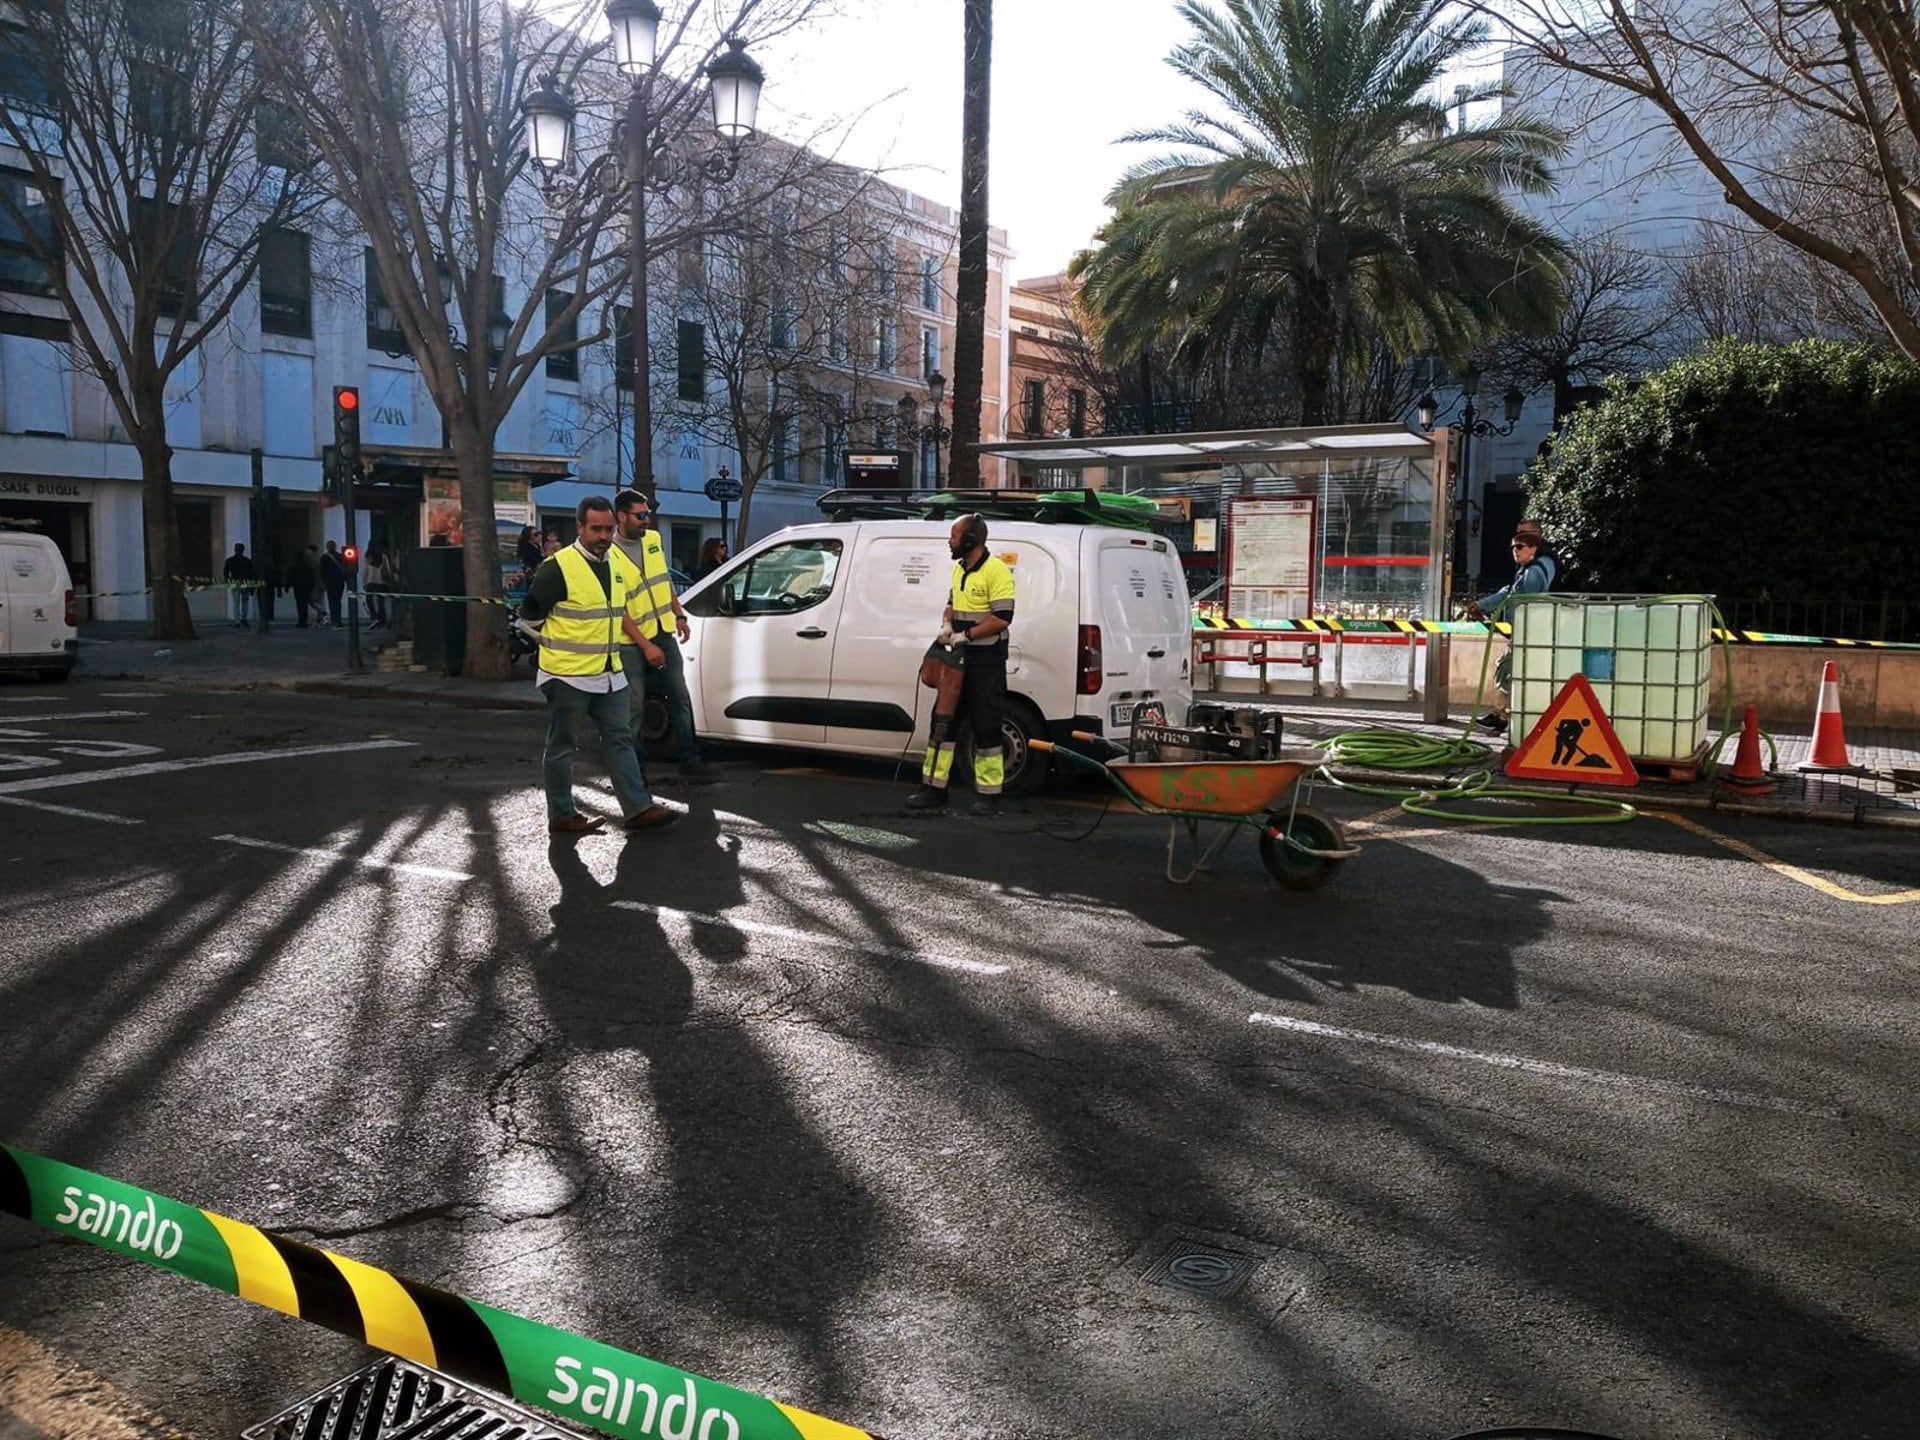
{"x": 1215, "y": 447}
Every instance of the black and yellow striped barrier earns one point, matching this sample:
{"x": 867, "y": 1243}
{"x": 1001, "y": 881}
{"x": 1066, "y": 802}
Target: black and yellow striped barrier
{"x": 1210, "y": 625}
{"x": 613, "y": 1391}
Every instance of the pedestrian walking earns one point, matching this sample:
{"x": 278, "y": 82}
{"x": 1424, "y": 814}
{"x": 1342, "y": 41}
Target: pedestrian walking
{"x": 1535, "y": 570}
{"x": 713, "y": 554}
{"x": 333, "y": 575}
{"x": 581, "y": 594}
{"x": 377, "y": 577}
{"x": 657, "y": 614}
{"x": 270, "y": 576}
{"x": 974, "y": 629}
{"x": 241, "y": 576}
{"x": 303, "y": 574}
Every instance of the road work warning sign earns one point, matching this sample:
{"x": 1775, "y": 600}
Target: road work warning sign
{"x": 1573, "y": 742}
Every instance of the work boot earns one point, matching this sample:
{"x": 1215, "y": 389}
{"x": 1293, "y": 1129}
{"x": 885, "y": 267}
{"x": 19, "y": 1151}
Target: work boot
{"x": 985, "y": 805}
{"x": 1493, "y": 723}
{"x": 927, "y": 797}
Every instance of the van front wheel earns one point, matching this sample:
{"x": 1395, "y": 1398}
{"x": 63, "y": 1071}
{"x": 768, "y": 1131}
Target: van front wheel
{"x": 1027, "y": 769}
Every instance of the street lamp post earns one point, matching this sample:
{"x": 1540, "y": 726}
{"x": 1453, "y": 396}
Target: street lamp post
{"x": 1466, "y": 427}
{"x": 934, "y": 429}
{"x": 640, "y": 151}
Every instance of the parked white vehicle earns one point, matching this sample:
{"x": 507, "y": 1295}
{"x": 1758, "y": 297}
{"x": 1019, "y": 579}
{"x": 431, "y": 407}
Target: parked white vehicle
{"x": 813, "y": 637}
{"x": 38, "y": 628}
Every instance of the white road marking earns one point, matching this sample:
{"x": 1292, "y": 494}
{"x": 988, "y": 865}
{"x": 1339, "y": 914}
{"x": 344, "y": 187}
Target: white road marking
{"x": 320, "y": 852}
{"x": 73, "y": 810}
{"x": 51, "y": 1395}
{"x": 1549, "y": 1067}
{"x": 192, "y": 762}
{"x": 841, "y": 942}
{"x": 13, "y": 719}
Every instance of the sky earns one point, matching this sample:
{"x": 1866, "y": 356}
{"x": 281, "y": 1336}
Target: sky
{"x": 1069, "y": 78}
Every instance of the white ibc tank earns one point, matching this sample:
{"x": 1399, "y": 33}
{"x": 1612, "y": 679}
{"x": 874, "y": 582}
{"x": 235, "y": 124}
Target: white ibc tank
{"x": 1649, "y": 662}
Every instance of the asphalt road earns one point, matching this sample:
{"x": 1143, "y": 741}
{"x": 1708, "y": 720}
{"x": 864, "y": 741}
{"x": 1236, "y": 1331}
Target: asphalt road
{"x": 1607, "y": 1126}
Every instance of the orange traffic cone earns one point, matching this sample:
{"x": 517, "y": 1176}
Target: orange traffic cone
{"x": 1829, "y": 735}
{"x": 1747, "y": 773}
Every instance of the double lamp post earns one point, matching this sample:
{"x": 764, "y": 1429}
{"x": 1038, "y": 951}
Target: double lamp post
{"x": 933, "y": 431}
{"x": 1470, "y": 424}
{"x": 641, "y": 154}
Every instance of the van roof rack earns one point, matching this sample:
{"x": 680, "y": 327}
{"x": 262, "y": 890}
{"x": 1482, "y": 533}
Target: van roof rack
{"x": 1071, "y": 507}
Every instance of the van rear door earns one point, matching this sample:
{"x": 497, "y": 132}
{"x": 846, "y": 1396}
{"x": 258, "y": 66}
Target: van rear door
{"x": 33, "y": 599}
{"x": 1146, "y": 626}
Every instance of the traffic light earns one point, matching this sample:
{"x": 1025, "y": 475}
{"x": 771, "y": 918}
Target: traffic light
{"x": 346, "y": 434}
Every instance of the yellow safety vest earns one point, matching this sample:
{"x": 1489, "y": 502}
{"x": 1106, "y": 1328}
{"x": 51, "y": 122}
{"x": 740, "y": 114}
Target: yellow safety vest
{"x": 581, "y": 635}
{"x": 650, "y": 603}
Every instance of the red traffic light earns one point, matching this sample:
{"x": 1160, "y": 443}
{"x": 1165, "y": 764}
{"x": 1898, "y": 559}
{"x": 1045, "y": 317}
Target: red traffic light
{"x": 350, "y": 554}
{"x": 346, "y": 397}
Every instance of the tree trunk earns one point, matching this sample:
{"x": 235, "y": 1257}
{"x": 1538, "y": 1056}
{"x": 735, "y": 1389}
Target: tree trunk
{"x": 970, "y": 329}
{"x": 171, "y": 618}
{"x": 1316, "y": 336}
{"x": 480, "y": 559}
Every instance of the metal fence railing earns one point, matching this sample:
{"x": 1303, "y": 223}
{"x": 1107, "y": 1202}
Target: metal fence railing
{"x": 1836, "y": 619}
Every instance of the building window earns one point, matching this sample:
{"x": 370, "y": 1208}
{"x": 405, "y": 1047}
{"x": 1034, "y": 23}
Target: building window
{"x": 26, "y": 233}
{"x": 929, "y": 353}
{"x": 278, "y": 141}
{"x": 780, "y": 447}
{"x": 563, "y": 363}
{"x": 158, "y": 103}
{"x": 1076, "y": 413}
{"x": 886, "y": 347}
{"x": 286, "y": 283}
{"x": 383, "y": 326}
{"x": 164, "y": 239}
{"x": 837, "y": 350}
{"x": 496, "y": 320}
{"x": 23, "y": 72}
{"x": 1033, "y": 405}
{"x": 930, "y": 283}
{"x": 780, "y": 322}
{"x": 623, "y": 370}
{"x": 691, "y": 353}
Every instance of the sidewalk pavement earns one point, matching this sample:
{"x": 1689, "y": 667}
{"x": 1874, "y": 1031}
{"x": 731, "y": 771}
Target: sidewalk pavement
{"x": 314, "y": 661}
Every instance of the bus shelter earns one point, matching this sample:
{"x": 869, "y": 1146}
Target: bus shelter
{"x": 1352, "y": 522}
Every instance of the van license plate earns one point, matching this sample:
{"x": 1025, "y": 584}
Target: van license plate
{"x": 1120, "y": 714}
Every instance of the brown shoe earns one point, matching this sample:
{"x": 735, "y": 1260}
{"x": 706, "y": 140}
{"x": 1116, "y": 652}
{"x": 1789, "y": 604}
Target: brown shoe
{"x": 576, "y": 825}
{"x": 652, "y": 818}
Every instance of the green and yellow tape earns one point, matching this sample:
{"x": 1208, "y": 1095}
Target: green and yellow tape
{"x": 614, "y": 1391}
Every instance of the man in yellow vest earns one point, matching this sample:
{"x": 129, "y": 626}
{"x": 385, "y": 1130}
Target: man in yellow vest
{"x": 974, "y": 626}
{"x": 582, "y": 592}
{"x": 656, "y": 610}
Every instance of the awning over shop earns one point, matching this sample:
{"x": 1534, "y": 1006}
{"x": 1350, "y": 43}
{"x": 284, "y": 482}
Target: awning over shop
{"x": 1222, "y": 447}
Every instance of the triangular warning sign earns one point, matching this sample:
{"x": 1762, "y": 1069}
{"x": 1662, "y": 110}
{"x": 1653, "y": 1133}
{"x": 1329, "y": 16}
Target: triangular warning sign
{"x": 1574, "y": 742}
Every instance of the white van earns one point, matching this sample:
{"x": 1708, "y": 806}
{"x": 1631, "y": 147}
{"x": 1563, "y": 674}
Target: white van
{"x": 38, "y": 627}
{"x": 813, "y": 636}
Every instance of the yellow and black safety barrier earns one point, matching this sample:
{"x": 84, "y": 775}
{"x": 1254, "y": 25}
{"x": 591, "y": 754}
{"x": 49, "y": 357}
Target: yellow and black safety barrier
{"x": 614, "y": 1391}
{"x": 1210, "y": 624}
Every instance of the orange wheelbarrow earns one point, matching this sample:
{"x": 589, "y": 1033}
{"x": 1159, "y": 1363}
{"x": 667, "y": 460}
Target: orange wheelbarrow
{"x": 1301, "y": 847}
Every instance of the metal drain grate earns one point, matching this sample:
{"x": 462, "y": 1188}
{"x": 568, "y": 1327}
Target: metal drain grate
{"x": 394, "y": 1400}
{"x": 1201, "y": 1269}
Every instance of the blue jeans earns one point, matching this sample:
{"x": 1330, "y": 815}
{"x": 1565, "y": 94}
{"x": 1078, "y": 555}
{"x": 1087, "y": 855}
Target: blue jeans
{"x": 670, "y": 683}
{"x": 566, "y": 706}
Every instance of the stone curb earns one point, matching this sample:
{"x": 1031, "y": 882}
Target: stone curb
{"x": 1654, "y": 800}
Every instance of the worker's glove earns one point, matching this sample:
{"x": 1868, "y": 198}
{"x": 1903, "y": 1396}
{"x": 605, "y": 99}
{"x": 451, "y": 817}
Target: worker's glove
{"x": 957, "y": 638}
{"x": 945, "y": 637}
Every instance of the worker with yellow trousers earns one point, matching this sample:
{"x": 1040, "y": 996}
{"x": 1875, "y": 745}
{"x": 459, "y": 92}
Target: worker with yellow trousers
{"x": 974, "y": 628}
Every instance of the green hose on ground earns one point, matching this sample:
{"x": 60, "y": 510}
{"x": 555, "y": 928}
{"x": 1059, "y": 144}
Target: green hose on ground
{"x": 1389, "y": 749}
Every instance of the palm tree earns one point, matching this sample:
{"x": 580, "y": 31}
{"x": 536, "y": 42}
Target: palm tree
{"x": 970, "y": 309}
{"x": 1323, "y": 201}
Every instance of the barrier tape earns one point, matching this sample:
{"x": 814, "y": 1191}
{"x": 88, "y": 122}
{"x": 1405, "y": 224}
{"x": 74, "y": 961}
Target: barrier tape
{"x": 1203, "y": 623}
{"x": 614, "y": 1391}
{"x": 1214, "y": 625}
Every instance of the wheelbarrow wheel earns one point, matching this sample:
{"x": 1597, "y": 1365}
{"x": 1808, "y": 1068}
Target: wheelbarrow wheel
{"x": 1308, "y": 828}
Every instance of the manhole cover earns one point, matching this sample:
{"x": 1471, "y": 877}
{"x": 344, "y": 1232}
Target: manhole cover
{"x": 394, "y": 1400}
{"x": 1200, "y": 1269}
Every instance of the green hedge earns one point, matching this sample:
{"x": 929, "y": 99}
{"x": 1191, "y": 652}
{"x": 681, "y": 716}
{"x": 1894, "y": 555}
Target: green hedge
{"x": 1750, "y": 471}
